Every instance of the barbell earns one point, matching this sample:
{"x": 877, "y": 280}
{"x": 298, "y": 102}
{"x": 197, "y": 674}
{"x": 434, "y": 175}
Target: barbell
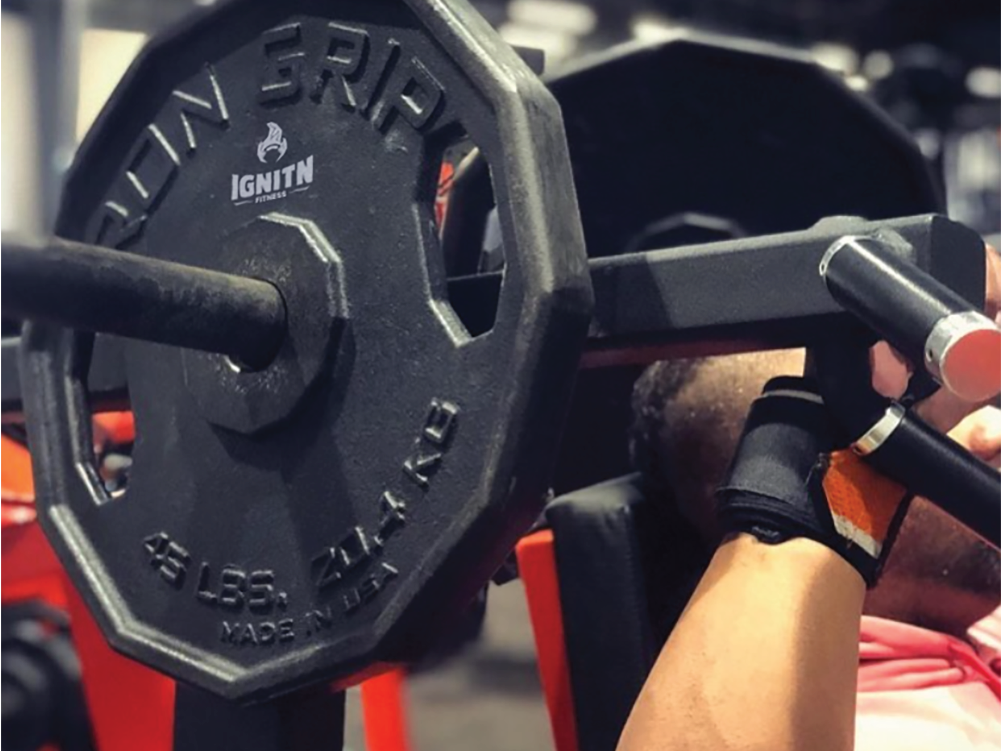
{"x": 337, "y": 441}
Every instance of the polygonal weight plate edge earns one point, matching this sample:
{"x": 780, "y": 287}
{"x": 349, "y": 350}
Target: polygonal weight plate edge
{"x": 674, "y": 58}
{"x": 562, "y": 310}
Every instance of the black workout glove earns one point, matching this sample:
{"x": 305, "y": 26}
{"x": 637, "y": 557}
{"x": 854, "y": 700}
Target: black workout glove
{"x": 788, "y": 480}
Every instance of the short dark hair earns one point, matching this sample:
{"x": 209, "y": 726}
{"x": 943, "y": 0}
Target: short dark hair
{"x": 653, "y": 396}
{"x": 687, "y": 419}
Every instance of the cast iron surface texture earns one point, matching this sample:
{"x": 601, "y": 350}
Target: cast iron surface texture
{"x": 105, "y": 380}
{"x": 341, "y": 536}
{"x": 758, "y": 162}
{"x": 96, "y": 289}
{"x": 667, "y": 303}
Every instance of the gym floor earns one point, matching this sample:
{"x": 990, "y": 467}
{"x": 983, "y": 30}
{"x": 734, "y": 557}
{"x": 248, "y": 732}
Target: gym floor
{"x": 486, "y": 698}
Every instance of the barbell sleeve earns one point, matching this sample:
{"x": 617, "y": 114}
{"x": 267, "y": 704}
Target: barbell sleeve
{"x": 90, "y": 288}
{"x": 933, "y": 326}
{"x": 901, "y": 445}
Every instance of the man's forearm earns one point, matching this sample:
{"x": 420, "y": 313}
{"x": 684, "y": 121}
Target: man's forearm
{"x": 765, "y": 656}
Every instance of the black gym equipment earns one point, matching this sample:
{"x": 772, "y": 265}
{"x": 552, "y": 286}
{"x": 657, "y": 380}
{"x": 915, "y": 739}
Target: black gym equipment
{"x": 656, "y": 305}
{"x": 10, "y": 327}
{"x": 701, "y": 137}
{"x": 43, "y": 699}
{"x": 384, "y": 463}
{"x": 693, "y": 139}
{"x": 914, "y": 57}
{"x": 961, "y": 27}
{"x": 94, "y": 289}
{"x": 666, "y": 303}
{"x": 932, "y": 325}
{"x": 318, "y": 494}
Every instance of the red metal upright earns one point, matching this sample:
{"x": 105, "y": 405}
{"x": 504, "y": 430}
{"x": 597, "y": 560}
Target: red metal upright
{"x": 537, "y": 567}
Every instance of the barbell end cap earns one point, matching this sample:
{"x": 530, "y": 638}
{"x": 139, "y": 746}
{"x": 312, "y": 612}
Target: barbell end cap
{"x": 883, "y": 428}
{"x": 837, "y": 245}
{"x": 963, "y": 353}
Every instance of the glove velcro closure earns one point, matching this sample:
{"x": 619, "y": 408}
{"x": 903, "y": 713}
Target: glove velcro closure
{"x": 787, "y": 481}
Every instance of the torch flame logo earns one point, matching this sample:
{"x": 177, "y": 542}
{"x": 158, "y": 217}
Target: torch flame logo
{"x": 274, "y": 141}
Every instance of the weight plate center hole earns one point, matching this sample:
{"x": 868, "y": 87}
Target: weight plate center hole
{"x": 264, "y": 359}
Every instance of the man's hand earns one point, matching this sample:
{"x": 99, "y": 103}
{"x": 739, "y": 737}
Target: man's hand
{"x": 943, "y": 410}
{"x": 980, "y": 433}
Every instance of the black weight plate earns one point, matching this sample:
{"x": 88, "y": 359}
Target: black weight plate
{"x": 256, "y": 551}
{"x": 965, "y": 28}
{"x": 751, "y": 134}
{"x": 700, "y": 137}
{"x": 9, "y": 327}
{"x": 727, "y": 136}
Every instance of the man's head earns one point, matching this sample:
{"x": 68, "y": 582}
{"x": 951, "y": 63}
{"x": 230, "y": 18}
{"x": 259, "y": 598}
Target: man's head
{"x": 688, "y": 415}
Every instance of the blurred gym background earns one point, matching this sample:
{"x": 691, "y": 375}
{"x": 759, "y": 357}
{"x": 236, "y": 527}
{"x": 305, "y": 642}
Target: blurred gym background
{"x": 934, "y": 65}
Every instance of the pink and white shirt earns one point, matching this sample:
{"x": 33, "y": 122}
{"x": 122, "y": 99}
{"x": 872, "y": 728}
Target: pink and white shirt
{"x": 921, "y": 690}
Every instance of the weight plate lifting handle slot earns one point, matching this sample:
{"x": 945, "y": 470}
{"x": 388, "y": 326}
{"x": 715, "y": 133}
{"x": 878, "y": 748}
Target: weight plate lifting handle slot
{"x": 90, "y": 288}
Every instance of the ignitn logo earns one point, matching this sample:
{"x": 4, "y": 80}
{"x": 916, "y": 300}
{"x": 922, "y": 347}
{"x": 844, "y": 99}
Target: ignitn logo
{"x": 274, "y": 141}
{"x": 275, "y": 183}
